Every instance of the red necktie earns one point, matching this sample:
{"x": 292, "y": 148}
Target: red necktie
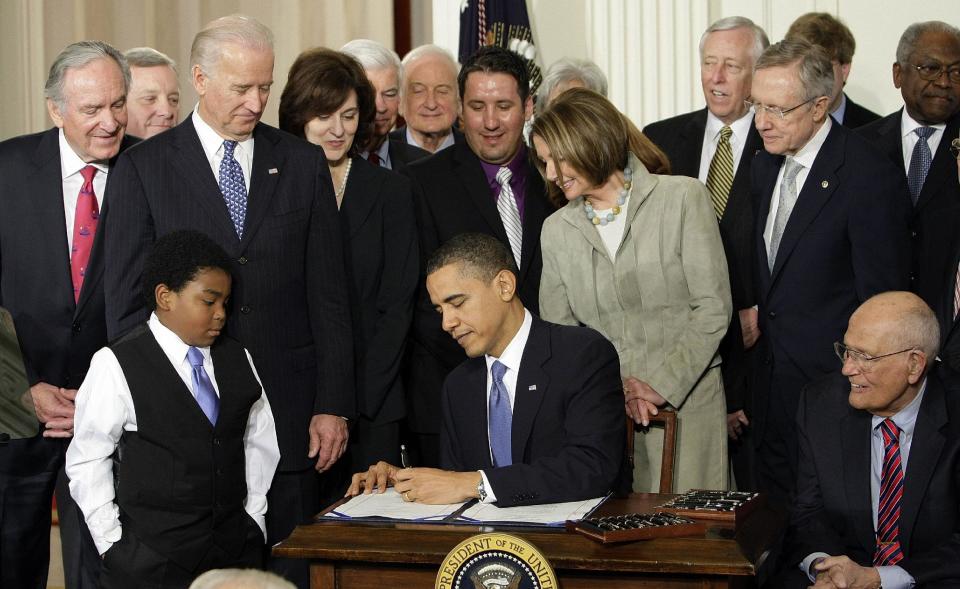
{"x": 84, "y": 229}
{"x": 889, "y": 551}
{"x": 374, "y": 158}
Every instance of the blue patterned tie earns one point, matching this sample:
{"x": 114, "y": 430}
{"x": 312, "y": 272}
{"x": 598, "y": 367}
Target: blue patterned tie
{"x": 919, "y": 162}
{"x": 202, "y": 387}
{"x": 501, "y": 418}
{"x": 232, "y": 187}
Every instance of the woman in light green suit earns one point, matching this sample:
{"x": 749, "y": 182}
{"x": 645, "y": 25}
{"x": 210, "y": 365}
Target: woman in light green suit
{"x": 637, "y": 256}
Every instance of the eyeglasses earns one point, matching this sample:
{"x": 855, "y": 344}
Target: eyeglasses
{"x": 775, "y": 110}
{"x": 931, "y": 72}
{"x": 863, "y": 362}
{"x": 955, "y": 148}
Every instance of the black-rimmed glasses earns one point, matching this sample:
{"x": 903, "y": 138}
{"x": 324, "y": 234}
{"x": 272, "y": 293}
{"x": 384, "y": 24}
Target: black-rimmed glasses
{"x": 863, "y": 362}
{"x": 775, "y": 110}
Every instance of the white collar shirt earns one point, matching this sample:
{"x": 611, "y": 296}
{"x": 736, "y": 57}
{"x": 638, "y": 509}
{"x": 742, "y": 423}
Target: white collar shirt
{"x": 212, "y": 144}
{"x": 711, "y": 136}
{"x": 908, "y": 139}
{"x": 71, "y": 182}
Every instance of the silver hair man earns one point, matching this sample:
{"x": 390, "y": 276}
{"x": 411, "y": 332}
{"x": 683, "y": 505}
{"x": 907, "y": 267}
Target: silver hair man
{"x": 235, "y": 29}
{"x": 78, "y": 55}
{"x": 153, "y": 100}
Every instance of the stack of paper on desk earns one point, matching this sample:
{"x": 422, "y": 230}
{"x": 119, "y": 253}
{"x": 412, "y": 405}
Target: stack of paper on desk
{"x": 546, "y": 514}
{"x": 390, "y": 505}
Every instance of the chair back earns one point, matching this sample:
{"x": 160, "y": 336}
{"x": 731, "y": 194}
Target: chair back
{"x": 669, "y": 420}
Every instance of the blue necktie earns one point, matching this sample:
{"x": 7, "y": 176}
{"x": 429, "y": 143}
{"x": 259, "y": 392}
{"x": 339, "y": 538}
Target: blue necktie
{"x": 919, "y": 162}
{"x": 232, "y": 186}
{"x": 500, "y": 417}
{"x": 202, "y": 387}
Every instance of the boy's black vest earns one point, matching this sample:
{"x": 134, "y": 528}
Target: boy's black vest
{"x": 182, "y": 484}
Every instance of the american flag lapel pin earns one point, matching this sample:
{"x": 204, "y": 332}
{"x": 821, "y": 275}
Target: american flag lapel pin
{"x": 273, "y": 171}
{"x": 532, "y": 387}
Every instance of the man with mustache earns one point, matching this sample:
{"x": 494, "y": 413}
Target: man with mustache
{"x": 52, "y": 189}
{"x": 917, "y": 139}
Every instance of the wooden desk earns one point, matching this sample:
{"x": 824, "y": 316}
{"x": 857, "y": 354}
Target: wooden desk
{"x": 355, "y": 555}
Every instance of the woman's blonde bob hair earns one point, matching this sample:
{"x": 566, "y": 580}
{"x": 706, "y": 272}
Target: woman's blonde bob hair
{"x": 584, "y": 130}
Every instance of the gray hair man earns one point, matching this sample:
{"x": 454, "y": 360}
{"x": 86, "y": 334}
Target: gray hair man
{"x": 52, "y": 186}
{"x": 716, "y": 144}
{"x": 383, "y": 69}
{"x": 267, "y": 199}
{"x": 154, "y": 97}
{"x": 429, "y": 100}
{"x": 832, "y": 230}
{"x": 566, "y": 73}
{"x": 917, "y": 139}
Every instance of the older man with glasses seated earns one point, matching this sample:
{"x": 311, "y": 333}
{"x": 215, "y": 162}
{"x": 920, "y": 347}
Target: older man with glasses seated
{"x": 878, "y": 500}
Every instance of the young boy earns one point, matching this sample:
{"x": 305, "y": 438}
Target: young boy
{"x": 192, "y": 429}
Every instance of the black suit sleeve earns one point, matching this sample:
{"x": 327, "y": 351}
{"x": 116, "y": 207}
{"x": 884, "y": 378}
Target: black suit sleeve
{"x": 129, "y": 233}
{"x": 590, "y": 459}
{"x": 385, "y": 349}
{"x": 328, "y": 304}
{"x": 810, "y": 528}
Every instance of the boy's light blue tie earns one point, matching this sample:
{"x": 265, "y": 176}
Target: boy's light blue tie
{"x": 202, "y": 387}
{"x": 501, "y": 417}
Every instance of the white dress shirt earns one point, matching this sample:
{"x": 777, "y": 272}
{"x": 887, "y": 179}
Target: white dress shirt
{"x": 104, "y": 410}
{"x": 612, "y": 233}
{"x": 908, "y": 139}
{"x": 711, "y": 136}
{"x": 891, "y": 577}
{"x": 806, "y": 155}
{"x": 212, "y": 144}
{"x": 70, "y": 166}
{"x": 511, "y": 357}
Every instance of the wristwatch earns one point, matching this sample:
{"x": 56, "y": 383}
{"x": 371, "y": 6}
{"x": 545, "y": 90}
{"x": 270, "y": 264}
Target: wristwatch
{"x": 481, "y": 490}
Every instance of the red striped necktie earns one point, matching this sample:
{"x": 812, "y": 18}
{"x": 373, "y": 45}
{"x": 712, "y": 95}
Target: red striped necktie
{"x": 84, "y": 229}
{"x": 889, "y": 551}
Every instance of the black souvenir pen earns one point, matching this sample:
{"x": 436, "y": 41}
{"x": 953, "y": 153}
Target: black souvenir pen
{"x": 404, "y": 457}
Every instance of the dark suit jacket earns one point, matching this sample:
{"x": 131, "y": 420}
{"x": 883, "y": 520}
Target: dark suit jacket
{"x": 856, "y": 116}
{"x": 400, "y": 134}
{"x": 949, "y": 325}
{"x": 937, "y": 213}
{"x": 833, "y": 512}
{"x": 567, "y": 430}
{"x": 681, "y": 138}
{"x": 383, "y": 264}
{"x": 452, "y": 196}
{"x": 289, "y": 299}
{"x": 57, "y": 335}
{"x": 846, "y": 240}
{"x": 402, "y": 154}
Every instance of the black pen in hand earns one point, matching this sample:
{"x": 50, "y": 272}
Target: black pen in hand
{"x": 404, "y": 456}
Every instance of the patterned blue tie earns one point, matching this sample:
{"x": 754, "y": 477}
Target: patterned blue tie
{"x": 232, "y": 187}
{"x": 919, "y": 162}
{"x": 202, "y": 387}
{"x": 501, "y": 417}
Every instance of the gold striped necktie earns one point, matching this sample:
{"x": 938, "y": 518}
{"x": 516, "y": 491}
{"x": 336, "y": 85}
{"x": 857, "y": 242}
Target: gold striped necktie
{"x": 720, "y": 175}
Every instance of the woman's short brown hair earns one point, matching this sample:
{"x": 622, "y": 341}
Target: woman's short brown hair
{"x": 585, "y": 130}
{"x": 320, "y": 80}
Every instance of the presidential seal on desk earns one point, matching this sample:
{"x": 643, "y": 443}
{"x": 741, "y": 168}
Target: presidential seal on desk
{"x": 495, "y": 561}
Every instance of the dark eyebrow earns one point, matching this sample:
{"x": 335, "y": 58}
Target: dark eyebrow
{"x": 453, "y": 296}
{"x": 214, "y": 292}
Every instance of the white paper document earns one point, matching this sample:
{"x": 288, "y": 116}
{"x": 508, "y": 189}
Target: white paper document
{"x": 390, "y": 504}
{"x": 547, "y": 514}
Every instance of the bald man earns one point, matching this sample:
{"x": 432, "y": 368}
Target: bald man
{"x": 877, "y": 501}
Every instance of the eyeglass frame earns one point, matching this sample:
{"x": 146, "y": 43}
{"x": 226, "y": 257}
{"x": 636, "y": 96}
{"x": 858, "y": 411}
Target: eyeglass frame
{"x": 862, "y": 361}
{"x": 941, "y": 69}
{"x": 776, "y": 110}
{"x": 955, "y": 147}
